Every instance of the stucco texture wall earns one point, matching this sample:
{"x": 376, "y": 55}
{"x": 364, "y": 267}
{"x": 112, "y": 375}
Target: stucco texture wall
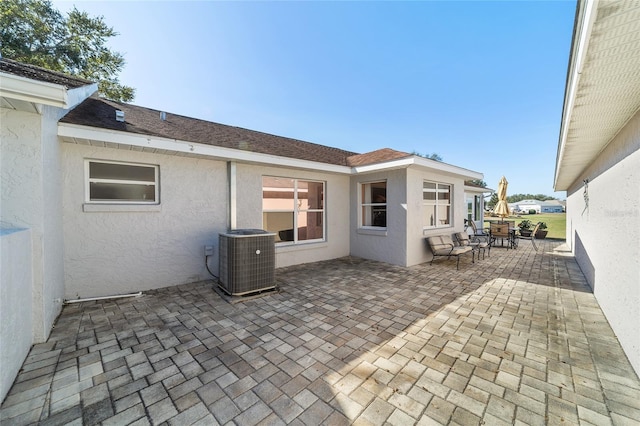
{"x": 336, "y": 197}
{"x": 15, "y": 304}
{"x": 388, "y": 245}
{"x": 604, "y": 233}
{"x": 417, "y": 251}
{"x": 116, "y": 252}
{"x": 30, "y": 173}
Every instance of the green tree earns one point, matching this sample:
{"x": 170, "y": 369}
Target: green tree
{"x": 479, "y": 182}
{"x": 33, "y": 32}
{"x": 493, "y": 201}
{"x": 432, "y": 156}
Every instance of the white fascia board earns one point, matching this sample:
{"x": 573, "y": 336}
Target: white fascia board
{"x": 448, "y": 168}
{"x": 26, "y": 89}
{"x": 79, "y": 94}
{"x": 478, "y": 190}
{"x": 584, "y": 28}
{"x": 388, "y": 165}
{"x": 175, "y": 145}
{"x": 418, "y": 161}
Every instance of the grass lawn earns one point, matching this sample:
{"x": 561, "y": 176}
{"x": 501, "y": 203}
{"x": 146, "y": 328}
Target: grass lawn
{"x": 556, "y": 222}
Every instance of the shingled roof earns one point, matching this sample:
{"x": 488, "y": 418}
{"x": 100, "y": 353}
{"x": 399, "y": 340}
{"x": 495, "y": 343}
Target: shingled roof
{"x": 100, "y": 113}
{"x": 378, "y": 156}
{"x": 41, "y": 74}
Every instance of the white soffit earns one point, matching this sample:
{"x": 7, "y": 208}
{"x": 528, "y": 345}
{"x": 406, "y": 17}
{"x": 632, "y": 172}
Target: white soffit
{"x": 25, "y": 94}
{"x": 607, "y": 91}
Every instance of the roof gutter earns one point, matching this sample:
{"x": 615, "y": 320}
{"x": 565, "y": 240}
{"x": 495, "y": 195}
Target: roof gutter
{"x": 115, "y": 137}
{"x": 418, "y": 161}
{"x": 585, "y": 18}
{"x": 40, "y": 92}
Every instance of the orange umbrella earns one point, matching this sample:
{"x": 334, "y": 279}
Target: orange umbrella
{"x": 502, "y": 208}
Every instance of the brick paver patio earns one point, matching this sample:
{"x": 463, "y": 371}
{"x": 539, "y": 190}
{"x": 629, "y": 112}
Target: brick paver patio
{"x": 516, "y": 338}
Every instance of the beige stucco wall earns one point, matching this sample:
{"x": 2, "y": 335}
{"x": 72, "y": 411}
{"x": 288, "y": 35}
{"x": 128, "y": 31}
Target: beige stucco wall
{"x": 249, "y": 212}
{"x": 15, "y": 304}
{"x": 115, "y": 252}
{"x": 605, "y": 235}
{"x": 383, "y": 245}
{"x": 417, "y": 251}
{"x": 29, "y": 170}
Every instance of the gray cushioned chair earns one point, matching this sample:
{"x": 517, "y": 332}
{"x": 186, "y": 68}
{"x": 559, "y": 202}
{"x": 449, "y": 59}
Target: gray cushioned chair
{"x": 442, "y": 245}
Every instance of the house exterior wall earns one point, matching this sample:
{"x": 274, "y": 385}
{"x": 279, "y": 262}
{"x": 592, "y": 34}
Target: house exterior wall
{"x": 30, "y": 165}
{"x": 388, "y": 245}
{"x": 417, "y": 251}
{"x": 15, "y": 304}
{"x": 249, "y": 212}
{"x": 604, "y": 235}
{"x": 122, "y": 250}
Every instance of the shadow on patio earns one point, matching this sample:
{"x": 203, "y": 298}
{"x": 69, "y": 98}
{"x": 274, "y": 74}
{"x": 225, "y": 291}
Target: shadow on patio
{"x": 514, "y": 337}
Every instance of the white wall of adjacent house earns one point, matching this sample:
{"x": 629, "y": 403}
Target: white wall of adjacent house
{"x": 419, "y": 225}
{"x": 120, "y": 249}
{"x": 15, "y": 304}
{"x": 602, "y": 227}
{"x": 336, "y": 210}
{"x": 31, "y": 199}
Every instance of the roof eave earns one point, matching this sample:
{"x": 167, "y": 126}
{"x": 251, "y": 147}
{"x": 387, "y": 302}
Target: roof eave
{"x": 117, "y": 138}
{"x": 43, "y": 93}
{"x": 415, "y": 160}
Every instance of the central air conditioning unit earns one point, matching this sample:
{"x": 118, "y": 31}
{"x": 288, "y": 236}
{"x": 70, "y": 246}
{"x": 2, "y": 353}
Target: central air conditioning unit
{"x": 247, "y": 261}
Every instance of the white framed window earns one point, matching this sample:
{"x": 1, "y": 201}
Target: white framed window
{"x": 373, "y": 204}
{"x": 293, "y": 209}
{"x": 111, "y": 182}
{"x": 436, "y": 198}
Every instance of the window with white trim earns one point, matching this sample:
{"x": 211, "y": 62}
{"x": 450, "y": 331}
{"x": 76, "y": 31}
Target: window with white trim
{"x": 293, "y": 209}
{"x": 436, "y": 199}
{"x": 373, "y": 204}
{"x": 110, "y": 182}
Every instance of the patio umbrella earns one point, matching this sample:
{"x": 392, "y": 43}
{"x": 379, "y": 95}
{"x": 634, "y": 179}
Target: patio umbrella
{"x": 502, "y": 208}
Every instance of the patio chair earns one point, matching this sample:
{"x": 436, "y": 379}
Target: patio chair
{"x": 442, "y": 245}
{"x": 501, "y": 231}
{"x": 476, "y": 246}
{"x": 532, "y": 237}
{"x": 480, "y": 236}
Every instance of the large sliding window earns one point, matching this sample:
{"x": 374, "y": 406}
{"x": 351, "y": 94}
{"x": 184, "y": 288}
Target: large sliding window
{"x": 437, "y": 204}
{"x": 110, "y": 182}
{"x": 293, "y": 209}
{"x": 373, "y": 204}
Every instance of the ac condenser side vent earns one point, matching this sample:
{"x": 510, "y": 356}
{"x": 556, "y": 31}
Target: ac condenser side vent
{"x": 247, "y": 261}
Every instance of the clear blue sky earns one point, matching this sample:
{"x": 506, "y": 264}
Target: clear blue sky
{"x": 479, "y": 83}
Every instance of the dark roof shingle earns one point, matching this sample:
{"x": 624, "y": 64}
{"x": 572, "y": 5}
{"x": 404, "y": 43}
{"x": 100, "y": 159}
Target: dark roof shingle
{"x": 98, "y": 112}
{"x": 41, "y": 74}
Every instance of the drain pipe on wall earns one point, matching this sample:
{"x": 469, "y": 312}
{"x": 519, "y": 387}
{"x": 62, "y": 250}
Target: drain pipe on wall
{"x": 231, "y": 172}
{"x": 91, "y": 299}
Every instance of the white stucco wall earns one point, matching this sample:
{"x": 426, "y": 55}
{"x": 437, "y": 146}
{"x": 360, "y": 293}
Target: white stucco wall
{"x": 388, "y": 245}
{"x": 605, "y": 236}
{"x": 417, "y": 251}
{"x": 249, "y": 212}
{"x": 115, "y": 252}
{"x": 15, "y": 304}
{"x": 30, "y": 199}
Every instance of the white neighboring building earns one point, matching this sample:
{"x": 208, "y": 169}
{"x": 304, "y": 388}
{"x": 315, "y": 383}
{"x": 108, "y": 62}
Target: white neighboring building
{"x": 550, "y": 206}
{"x": 598, "y": 161}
